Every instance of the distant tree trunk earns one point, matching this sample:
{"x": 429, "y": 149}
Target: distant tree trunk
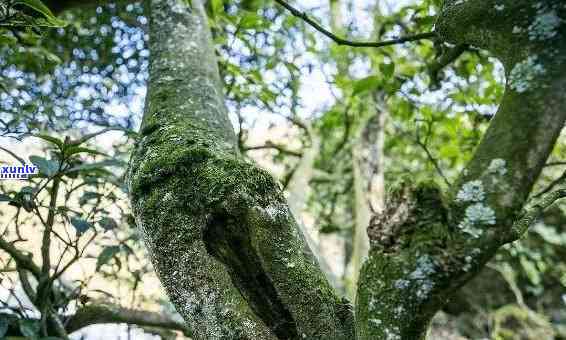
{"x": 225, "y": 245}
{"x": 369, "y": 185}
{"x": 298, "y": 189}
{"x": 367, "y": 166}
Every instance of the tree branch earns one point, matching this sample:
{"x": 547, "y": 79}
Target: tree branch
{"x": 104, "y": 314}
{"x": 341, "y": 41}
{"x": 425, "y": 245}
{"x": 534, "y": 211}
{"x": 448, "y": 56}
{"x": 97, "y": 314}
{"x": 271, "y": 145}
{"x": 22, "y": 260}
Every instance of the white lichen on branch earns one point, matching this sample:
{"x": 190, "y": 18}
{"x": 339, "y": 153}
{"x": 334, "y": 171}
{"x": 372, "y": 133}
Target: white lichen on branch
{"x": 477, "y": 215}
{"x": 524, "y": 75}
{"x": 545, "y": 26}
{"x": 497, "y": 166}
{"x": 471, "y": 192}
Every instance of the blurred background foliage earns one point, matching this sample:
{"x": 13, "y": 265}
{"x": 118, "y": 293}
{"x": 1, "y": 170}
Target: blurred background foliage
{"x": 346, "y": 122}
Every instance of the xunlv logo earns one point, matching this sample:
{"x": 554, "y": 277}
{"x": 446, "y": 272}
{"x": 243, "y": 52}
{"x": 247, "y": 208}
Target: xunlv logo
{"x": 17, "y": 172}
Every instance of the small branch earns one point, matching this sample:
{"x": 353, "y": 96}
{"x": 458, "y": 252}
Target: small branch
{"x": 554, "y": 164}
{"x": 270, "y": 145}
{"x": 96, "y": 314}
{"x": 342, "y": 41}
{"x": 46, "y": 242}
{"x": 87, "y": 137}
{"x": 26, "y": 285}
{"x": 434, "y": 161}
{"x": 448, "y": 56}
{"x": 21, "y": 160}
{"x": 22, "y": 260}
{"x": 531, "y": 213}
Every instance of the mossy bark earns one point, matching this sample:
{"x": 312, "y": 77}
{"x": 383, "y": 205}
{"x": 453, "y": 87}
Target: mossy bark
{"x": 221, "y": 237}
{"x": 426, "y": 244}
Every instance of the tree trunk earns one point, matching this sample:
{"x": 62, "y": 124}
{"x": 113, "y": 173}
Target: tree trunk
{"x": 369, "y": 185}
{"x": 298, "y": 190}
{"x": 220, "y": 235}
{"x": 426, "y": 244}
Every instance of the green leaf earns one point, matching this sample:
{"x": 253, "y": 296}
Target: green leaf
{"x": 29, "y": 328}
{"x": 59, "y": 143}
{"x": 38, "y": 6}
{"x": 250, "y": 20}
{"x": 47, "y": 167}
{"x": 7, "y": 40}
{"x": 530, "y": 270}
{"x": 387, "y": 69}
{"x": 78, "y": 149}
{"x": 106, "y": 255}
{"x": 366, "y": 84}
{"x": 80, "y": 224}
{"x": 251, "y": 5}
{"x": 215, "y": 7}
{"x": 108, "y": 223}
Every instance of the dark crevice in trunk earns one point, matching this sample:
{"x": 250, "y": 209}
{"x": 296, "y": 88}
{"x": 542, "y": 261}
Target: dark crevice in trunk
{"x": 228, "y": 241}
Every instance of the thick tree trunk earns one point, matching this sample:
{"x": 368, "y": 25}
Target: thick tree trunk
{"x": 221, "y": 237}
{"x": 425, "y": 245}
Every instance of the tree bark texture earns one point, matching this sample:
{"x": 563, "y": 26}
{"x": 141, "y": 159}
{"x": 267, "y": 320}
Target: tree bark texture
{"x": 221, "y": 237}
{"x": 229, "y": 252}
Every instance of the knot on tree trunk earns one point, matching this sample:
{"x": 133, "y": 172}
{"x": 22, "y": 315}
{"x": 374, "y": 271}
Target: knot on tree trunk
{"x": 411, "y": 211}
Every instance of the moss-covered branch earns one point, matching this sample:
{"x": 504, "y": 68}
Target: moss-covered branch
{"x": 220, "y": 235}
{"x": 427, "y": 244}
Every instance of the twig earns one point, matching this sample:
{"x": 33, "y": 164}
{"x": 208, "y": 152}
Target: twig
{"x": 429, "y": 154}
{"x": 21, "y": 160}
{"x": 342, "y": 41}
